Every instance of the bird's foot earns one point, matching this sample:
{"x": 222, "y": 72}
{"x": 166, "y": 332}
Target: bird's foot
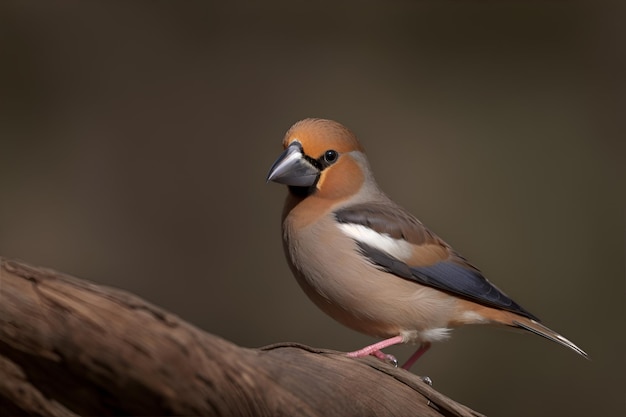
{"x": 376, "y": 350}
{"x": 426, "y": 380}
{"x": 385, "y": 357}
{"x": 369, "y": 350}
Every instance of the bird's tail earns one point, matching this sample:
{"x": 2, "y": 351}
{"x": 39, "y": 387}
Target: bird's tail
{"x": 541, "y": 330}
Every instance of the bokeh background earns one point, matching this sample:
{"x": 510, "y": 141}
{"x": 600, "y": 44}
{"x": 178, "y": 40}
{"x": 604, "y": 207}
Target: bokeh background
{"x": 136, "y": 137}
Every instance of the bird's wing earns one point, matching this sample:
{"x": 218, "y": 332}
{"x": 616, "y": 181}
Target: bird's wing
{"x": 398, "y": 243}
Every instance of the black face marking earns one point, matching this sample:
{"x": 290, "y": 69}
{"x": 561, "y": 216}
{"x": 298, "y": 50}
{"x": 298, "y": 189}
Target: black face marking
{"x": 302, "y": 191}
{"x": 327, "y": 159}
{"x": 315, "y": 162}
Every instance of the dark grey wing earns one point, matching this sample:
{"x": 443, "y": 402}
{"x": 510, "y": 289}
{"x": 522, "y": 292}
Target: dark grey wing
{"x": 433, "y": 263}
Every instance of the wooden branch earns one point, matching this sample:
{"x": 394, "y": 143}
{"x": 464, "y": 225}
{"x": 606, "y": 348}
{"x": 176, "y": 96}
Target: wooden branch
{"x": 69, "y": 347}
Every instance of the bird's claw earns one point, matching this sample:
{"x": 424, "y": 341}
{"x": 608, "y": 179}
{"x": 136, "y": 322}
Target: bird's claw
{"x": 392, "y": 361}
{"x": 427, "y": 380}
{"x": 385, "y": 357}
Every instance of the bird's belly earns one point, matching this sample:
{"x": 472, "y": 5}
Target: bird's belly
{"x": 354, "y": 292}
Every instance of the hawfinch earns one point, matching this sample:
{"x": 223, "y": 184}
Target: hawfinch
{"x": 370, "y": 264}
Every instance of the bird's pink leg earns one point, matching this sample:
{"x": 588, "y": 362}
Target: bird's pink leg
{"x": 375, "y": 350}
{"x": 418, "y": 354}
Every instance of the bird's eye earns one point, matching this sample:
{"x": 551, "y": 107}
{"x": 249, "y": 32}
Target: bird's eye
{"x": 330, "y": 156}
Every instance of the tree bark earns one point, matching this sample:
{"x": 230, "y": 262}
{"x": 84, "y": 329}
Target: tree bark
{"x": 70, "y": 347}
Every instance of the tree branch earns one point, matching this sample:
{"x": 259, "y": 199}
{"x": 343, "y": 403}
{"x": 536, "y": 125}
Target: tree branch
{"x": 69, "y": 347}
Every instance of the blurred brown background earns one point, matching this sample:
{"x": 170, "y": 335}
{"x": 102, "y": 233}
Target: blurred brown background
{"x": 136, "y": 137}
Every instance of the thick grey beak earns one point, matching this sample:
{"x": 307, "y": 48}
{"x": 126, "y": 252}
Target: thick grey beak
{"x": 291, "y": 168}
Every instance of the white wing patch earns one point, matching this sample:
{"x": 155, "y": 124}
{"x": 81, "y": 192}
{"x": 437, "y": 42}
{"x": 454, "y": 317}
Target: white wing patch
{"x": 399, "y": 249}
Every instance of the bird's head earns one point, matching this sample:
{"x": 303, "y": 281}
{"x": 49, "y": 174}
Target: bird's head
{"x": 321, "y": 157}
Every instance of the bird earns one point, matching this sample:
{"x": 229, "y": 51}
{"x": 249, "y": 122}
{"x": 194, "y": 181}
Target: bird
{"x": 370, "y": 264}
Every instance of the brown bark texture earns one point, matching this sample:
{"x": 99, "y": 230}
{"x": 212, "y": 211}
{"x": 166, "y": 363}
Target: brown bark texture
{"x": 70, "y": 347}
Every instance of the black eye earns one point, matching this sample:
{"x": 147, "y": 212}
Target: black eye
{"x": 330, "y": 156}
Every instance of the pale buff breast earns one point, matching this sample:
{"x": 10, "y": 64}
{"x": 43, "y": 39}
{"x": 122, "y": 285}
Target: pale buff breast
{"x": 346, "y": 286}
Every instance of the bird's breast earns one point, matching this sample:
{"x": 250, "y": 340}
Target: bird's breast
{"x": 343, "y": 283}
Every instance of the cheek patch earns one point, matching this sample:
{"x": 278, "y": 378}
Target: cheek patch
{"x": 341, "y": 180}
